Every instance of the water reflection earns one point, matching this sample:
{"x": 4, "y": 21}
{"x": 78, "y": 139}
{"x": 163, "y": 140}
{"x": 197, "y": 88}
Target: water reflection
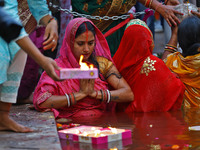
{"x": 150, "y": 131}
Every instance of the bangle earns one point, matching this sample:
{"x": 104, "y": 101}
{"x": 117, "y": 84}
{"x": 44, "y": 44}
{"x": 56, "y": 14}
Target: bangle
{"x": 171, "y": 46}
{"x": 52, "y": 18}
{"x": 147, "y": 3}
{"x": 101, "y": 95}
{"x": 105, "y": 96}
{"x": 74, "y": 99}
{"x": 158, "y": 6}
{"x": 108, "y": 92}
{"x": 150, "y": 3}
{"x": 68, "y": 101}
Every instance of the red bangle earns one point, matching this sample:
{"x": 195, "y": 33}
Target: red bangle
{"x": 147, "y": 3}
{"x": 105, "y": 96}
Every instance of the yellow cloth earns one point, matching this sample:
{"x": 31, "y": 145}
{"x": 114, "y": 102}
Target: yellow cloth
{"x": 104, "y": 65}
{"x": 188, "y": 70}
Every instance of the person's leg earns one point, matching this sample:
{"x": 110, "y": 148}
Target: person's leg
{"x": 6, "y": 123}
{"x": 8, "y": 93}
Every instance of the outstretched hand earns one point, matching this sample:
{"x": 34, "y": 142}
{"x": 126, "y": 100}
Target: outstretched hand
{"x": 169, "y": 14}
{"x": 49, "y": 65}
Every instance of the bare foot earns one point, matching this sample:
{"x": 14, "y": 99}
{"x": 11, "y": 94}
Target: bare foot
{"x": 7, "y": 123}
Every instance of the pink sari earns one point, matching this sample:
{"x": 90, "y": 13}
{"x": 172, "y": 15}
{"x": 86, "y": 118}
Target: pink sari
{"x": 47, "y": 87}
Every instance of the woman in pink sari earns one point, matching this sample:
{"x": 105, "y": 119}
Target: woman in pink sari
{"x": 81, "y": 98}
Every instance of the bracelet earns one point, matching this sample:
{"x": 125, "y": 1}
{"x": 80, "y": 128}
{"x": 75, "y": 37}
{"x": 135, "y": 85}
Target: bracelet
{"x": 101, "y": 95}
{"x": 74, "y": 98}
{"x": 68, "y": 101}
{"x": 147, "y": 3}
{"x": 171, "y": 46}
{"x": 158, "y": 6}
{"x": 169, "y": 50}
{"x": 109, "y": 96}
{"x": 52, "y": 18}
{"x": 105, "y": 96}
{"x": 150, "y": 3}
{"x": 71, "y": 96}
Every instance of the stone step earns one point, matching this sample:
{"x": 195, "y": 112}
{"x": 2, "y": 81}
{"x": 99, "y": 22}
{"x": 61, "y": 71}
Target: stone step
{"x": 44, "y": 137}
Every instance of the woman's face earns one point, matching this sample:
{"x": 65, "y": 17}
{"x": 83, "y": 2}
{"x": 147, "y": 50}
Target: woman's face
{"x": 84, "y": 45}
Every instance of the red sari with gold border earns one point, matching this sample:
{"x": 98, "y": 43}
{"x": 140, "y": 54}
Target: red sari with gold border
{"x": 155, "y": 88}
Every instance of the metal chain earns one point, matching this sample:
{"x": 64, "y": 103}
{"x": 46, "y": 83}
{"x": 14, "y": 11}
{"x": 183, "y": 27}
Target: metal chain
{"x": 76, "y": 14}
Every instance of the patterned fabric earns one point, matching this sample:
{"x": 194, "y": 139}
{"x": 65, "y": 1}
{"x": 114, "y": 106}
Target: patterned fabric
{"x": 137, "y": 22}
{"x": 28, "y": 21}
{"x": 105, "y": 8}
{"x": 104, "y": 65}
{"x": 46, "y": 86}
{"x": 9, "y": 88}
{"x": 64, "y": 20}
{"x": 188, "y": 70}
{"x": 154, "y": 87}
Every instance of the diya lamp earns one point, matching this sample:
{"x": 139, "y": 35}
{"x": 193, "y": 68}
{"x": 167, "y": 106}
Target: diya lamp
{"x": 84, "y": 72}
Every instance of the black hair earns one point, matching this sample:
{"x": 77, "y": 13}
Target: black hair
{"x": 81, "y": 29}
{"x": 189, "y": 35}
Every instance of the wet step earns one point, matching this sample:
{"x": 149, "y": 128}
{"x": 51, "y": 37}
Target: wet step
{"x": 45, "y": 134}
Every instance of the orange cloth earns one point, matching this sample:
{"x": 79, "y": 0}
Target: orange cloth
{"x": 188, "y": 70}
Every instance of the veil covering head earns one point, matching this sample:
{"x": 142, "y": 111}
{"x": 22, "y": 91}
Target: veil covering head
{"x": 47, "y": 87}
{"x": 101, "y": 47}
{"x": 155, "y": 88}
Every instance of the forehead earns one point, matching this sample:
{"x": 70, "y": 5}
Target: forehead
{"x": 85, "y": 35}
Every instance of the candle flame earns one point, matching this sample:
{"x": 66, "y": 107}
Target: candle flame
{"x": 97, "y": 132}
{"x": 84, "y": 65}
{"x": 115, "y": 148}
{"x": 113, "y": 130}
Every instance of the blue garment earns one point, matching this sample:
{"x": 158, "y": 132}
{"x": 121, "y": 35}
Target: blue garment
{"x": 39, "y": 9}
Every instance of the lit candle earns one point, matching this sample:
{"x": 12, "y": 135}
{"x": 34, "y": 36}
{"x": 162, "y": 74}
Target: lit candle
{"x": 84, "y": 72}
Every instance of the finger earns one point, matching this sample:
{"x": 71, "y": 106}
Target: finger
{"x": 177, "y": 12}
{"x": 172, "y": 21}
{"x": 176, "y": 19}
{"x": 46, "y": 34}
{"x": 169, "y": 23}
{"x": 175, "y": 2}
{"x": 51, "y": 45}
{"x": 195, "y": 13}
{"x": 56, "y": 66}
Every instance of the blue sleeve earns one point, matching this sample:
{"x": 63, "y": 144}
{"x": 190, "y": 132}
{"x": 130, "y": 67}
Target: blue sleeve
{"x": 38, "y": 8}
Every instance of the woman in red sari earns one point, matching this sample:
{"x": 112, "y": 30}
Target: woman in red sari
{"x": 82, "y": 38}
{"x": 155, "y": 88}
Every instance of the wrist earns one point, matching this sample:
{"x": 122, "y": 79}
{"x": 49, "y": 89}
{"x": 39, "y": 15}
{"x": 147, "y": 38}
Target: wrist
{"x": 47, "y": 19}
{"x": 82, "y": 94}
